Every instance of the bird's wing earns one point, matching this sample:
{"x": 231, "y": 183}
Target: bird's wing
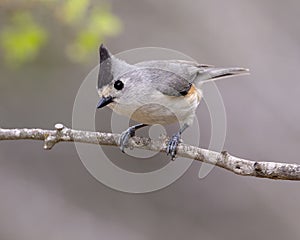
{"x": 163, "y": 63}
{"x": 186, "y": 69}
{"x": 194, "y": 72}
{"x": 166, "y": 82}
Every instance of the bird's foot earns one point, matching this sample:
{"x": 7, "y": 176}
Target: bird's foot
{"x": 172, "y": 145}
{"x": 126, "y": 135}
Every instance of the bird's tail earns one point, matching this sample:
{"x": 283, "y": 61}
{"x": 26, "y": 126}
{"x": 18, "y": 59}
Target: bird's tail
{"x": 212, "y": 74}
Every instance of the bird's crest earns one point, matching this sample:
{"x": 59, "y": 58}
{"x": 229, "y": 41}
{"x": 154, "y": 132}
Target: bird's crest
{"x": 105, "y": 75}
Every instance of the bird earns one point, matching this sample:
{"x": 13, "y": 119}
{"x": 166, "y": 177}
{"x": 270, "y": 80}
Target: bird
{"x": 155, "y": 92}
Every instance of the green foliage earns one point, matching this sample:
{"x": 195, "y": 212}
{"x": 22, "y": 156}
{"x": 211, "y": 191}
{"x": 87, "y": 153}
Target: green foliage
{"x": 72, "y": 11}
{"x": 22, "y": 39}
{"x": 88, "y": 38}
{"x": 24, "y": 34}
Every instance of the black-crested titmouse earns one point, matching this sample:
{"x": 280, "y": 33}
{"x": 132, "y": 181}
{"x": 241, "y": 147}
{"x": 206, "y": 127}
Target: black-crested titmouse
{"x": 155, "y": 92}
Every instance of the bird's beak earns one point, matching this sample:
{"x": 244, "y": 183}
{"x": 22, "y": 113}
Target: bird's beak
{"x": 104, "y": 101}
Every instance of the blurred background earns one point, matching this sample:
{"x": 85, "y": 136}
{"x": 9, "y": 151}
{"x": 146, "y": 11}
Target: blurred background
{"x": 49, "y": 46}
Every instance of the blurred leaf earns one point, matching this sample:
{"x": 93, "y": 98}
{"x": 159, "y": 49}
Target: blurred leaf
{"x": 85, "y": 43}
{"x": 73, "y": 11}
{"x": 22, "y": 40}
{"x": 100, "y": 23}
{"x": 104, "y": 22}
{"x": 23, "y": 37}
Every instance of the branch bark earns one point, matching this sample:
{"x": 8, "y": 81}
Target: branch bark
{"x": 239, "y": 166}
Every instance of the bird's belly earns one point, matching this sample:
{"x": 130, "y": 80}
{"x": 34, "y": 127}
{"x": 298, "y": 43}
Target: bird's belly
{"x": 174, "y": 110}
{"x": 154, "y": 114}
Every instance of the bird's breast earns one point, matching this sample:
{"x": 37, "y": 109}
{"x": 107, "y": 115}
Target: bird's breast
{"x": 161, "y": 109}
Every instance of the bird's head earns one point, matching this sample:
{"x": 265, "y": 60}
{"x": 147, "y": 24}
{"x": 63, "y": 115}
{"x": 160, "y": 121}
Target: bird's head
{"x": 110, "y": 83}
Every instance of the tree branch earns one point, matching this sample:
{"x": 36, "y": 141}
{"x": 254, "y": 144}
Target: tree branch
{"x": 243, "y": 167}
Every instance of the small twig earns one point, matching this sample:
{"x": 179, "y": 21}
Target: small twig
{"x": 243, "y": 167}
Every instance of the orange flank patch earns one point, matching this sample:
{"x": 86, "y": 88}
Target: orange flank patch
{"x": 193, "y": 93}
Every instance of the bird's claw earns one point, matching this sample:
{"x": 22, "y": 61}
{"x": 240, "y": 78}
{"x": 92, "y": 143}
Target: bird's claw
{"x": 125, "y": 136}
{"x": 172, "y": 145}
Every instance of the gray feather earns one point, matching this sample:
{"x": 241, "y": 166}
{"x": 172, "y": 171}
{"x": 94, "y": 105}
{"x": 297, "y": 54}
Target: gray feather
{"x": 212, "y": 74}
{"x": 193, "y": 71}
{"x": 169, "y": 83}
{"x": 110, "y": 67}
{"x": 170, "y": 77}
{"x": 185, "y": 69}
{"x": 105, "y": 75}
{"x": 166, "y": 82}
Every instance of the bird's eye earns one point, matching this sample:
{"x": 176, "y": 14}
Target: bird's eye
{"x": 119, "y": 85}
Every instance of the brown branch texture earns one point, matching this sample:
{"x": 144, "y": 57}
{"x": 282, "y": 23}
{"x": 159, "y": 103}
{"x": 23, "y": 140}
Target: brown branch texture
{"x": 243, "y": 167}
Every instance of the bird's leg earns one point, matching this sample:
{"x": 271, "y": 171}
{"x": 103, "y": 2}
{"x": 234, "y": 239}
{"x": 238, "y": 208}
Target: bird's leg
{"x": 174, "y": 141}
{"x": 126, "y": 135}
